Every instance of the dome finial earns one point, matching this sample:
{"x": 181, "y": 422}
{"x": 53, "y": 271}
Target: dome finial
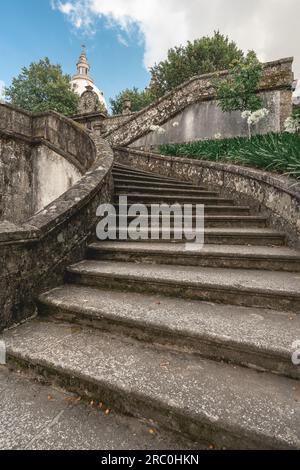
{"x": 83, "y": 65}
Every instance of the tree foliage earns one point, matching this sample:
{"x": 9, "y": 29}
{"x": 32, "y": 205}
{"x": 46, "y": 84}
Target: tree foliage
{"x": 239, "y": 91}
{"x": 139, "y": 100}
{"x": 205, "y": 55}
{"x": 296, "y": 111}
{"x": 43, "y": 87}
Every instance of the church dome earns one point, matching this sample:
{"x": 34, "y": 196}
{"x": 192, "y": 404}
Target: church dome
{"x": 82, "y": 79}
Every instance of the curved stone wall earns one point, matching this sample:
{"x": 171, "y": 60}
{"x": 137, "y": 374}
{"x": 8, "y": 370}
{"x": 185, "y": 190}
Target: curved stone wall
{"x": 276, "y": 196}
{"x": 34, "y": 255}
{"x": 41, "y": 157}
{"x": 194, "y": 106}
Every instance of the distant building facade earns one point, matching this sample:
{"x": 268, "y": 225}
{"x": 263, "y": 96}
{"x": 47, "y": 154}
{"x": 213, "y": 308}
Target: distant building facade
{"x": 91, "y": 98}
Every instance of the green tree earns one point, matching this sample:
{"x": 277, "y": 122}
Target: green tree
{"x": 139, "y": 100}
{"x": 296, "y": 112}
{"x": 205, "y": 55}
{"x": 239, "y": 91}
{"x": 43, "y": 87}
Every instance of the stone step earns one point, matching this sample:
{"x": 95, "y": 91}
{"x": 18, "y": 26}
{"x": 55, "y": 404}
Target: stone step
{"x": 135, "y": 171}
{"x": 257, "y": 288}
{"x": 158, "y": 184}
{"x": 218, "y": 236}
{"x": 126, "y": 168}
{"x": 260, "y": 338}
{"x": 219, "y": 210}
{"x": 119, "y": 189}
{"x": 216, "y": 221}
{"x": 147, "y": 179}
{"x": 143, "y": 198}
{"x": 230, "y": 256}
{"x": 146, "y": 176}
{"x": 225, "y": 405}
{"x": 35, "y": 415}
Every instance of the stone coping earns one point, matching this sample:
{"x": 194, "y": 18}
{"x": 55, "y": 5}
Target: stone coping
{"x": 282, "y": 79}
{"x": 59, "y": 133}
{"x": 275, "y": 196}
{"x": 102, "y": 115}
{"x": 289, "y": 185}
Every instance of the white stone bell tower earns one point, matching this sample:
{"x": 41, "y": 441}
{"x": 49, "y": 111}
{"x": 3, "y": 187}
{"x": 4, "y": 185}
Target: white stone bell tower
{"x": 82, "y": 79}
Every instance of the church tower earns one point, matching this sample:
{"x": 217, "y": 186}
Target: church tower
{"x": 82, "y": 79}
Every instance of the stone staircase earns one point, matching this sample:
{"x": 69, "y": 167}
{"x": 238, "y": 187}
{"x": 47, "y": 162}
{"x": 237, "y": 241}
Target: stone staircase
{"x": 200, "y": 342}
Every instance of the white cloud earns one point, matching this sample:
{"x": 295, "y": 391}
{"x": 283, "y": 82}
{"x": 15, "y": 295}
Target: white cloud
{"x": 66, "y": 8}
{"x": 2, "y": 86}
{"x": 271, "y": 27}
{"x": 122, "y": 40}
{"x": 78, "y": 12}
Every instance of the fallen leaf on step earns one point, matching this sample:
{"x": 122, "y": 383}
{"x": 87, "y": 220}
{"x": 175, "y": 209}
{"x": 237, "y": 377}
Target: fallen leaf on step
{"x": 164, "y": 365}
{"x": 50, "y": 397}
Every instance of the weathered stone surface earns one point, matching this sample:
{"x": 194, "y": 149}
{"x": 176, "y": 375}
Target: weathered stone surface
{"x": 39, "y": 161}
{"x": 275, "y": 196}
{"x": 102, "y": 122}
{"x": 52, "y": 129}
{"x": 229, "y": 406}
{"x": 163, "y": 357}
{"x": 219, "y": 256}
{"x": 254, "y": 337}
{"x": 276, "y": 87}
{"x": 205, "y": 120}
{"x": 89, "y": 101}
{"x": 274, "y": 290}
{"x": 34, "y": 257}
{"x": 40, "y": 417}
{"x": 16, "y": 180}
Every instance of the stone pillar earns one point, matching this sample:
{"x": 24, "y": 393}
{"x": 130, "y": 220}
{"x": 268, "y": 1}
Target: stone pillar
{"x": 127, "y": 106}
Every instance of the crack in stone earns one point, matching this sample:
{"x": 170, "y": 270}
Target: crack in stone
{"x": 54, "y": 421}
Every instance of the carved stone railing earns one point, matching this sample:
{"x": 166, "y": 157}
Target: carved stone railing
{"x": 34, "y": 255}
{"x": 278, "y": 76}
{"x": 275, "y": 196}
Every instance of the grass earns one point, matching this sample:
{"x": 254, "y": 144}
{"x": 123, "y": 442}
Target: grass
{"x": 272, "y": 152}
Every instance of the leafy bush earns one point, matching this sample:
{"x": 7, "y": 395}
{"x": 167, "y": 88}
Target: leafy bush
{"x": 272, "y": 152}
{"x": 43, "y": 87}
{"x": 139, "y": 100}
{"x": 204, "y": 55}
{"x": 239, "y": 91}
{"x": 296, "y": 112}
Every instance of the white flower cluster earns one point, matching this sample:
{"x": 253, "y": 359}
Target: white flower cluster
{"x": 157, "y": 129}
{"x": 256, "y": 116}
{"x": 218, "y": 136}
{"x": 292, "y": 125}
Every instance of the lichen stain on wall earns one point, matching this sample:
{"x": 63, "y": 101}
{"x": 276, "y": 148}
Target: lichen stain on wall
{"x": 53, "y": 176}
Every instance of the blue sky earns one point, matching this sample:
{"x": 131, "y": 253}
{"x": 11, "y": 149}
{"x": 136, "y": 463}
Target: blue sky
{"x": 125, "y": 37}
{"x": 32, "y": 29}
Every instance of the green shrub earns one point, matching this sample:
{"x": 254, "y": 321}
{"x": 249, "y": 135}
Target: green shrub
{"x": 238, "y": 92}
{"x": 272, "y": 152}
